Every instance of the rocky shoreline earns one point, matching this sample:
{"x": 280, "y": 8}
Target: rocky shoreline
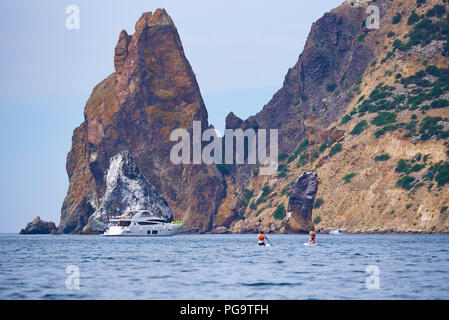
{"x": 361, "y": 232}
{"x": 33, "y": 228}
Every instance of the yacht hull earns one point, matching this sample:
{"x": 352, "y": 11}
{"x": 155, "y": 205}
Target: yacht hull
{"x": 140, "y": 231}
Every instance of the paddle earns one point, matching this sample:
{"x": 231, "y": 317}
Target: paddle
{"x": 269, "y": 242}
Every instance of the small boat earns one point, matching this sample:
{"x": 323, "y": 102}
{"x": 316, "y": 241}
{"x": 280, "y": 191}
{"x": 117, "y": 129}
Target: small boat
{"x": 141, "y": 223}
{"x": 336, "y": 231}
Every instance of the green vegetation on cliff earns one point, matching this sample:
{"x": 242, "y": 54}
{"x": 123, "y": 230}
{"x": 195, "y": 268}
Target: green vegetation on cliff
{"x": 279, "y": 213}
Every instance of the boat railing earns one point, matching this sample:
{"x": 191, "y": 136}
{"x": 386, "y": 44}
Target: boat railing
{"x": 122, "y": 218}
{"x": 118, "y": 218}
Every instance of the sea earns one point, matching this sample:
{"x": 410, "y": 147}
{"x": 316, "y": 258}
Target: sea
{"x": 224, "y": 267}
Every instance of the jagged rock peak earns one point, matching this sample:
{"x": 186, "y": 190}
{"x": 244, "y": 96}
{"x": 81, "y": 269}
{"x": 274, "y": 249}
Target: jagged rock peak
{"x": 233, "y": 121}
{"x": 121, "y": 51}
{"x": 153, "y": 91}
{"x": 147, "y": 20}
{"x": 160, "y": 17}
{"x": 127, "y": 189}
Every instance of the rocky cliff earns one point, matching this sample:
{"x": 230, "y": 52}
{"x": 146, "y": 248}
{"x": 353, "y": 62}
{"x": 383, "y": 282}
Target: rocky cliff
{"x": 152, "y": 92}
{"x": 126, "y": 189}
{"x": 367, "y": 111}
{"x": 332, "y": 57}
{"x": 301, "y": 201}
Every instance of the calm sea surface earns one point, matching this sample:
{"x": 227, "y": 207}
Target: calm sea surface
{"x": 224, "y": 267}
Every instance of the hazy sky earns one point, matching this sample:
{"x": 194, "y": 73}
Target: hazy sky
{"x": 240, "y": 52}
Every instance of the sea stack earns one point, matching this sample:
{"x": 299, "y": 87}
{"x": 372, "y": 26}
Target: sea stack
{"x": 38, "y": 226}
{"x": 152, "y": 92}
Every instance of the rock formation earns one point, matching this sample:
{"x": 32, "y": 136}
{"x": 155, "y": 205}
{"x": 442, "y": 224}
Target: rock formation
{"x": 332, "y": 58}
{"x": 365, "y": 109}
{"x": 38, "y": 226}
{"x": 357, "y": 103}
{"x": 126, "y": 189}
{"x": 331, "y": 53}
{"x": 300, "y": 203}
{"x": 152, "y": 92}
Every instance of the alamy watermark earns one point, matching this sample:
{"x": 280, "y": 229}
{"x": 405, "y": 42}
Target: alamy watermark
{"x": 212, "y": 153}
{"x": 373, "y": 279}
{"x": 73, "y": 280}
{"x": 72, "y": 21}
{"x": 373, "y": 20}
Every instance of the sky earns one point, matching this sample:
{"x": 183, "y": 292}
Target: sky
{"x": 240, "y": 52}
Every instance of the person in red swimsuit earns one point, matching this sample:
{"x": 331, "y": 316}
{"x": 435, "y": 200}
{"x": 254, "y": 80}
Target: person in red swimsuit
{"x": 261, "y": 238}
{"x": 312, "y": 237}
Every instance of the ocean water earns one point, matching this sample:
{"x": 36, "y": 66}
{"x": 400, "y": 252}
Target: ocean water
{"x": 224, "y": 267}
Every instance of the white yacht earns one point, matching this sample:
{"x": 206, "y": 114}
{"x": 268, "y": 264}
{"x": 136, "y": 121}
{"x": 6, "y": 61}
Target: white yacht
{"x": 141, "y": 223}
